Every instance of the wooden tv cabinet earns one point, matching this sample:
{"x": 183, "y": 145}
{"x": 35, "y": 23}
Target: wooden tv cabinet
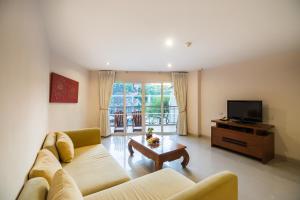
{"x": 254, "y": 140}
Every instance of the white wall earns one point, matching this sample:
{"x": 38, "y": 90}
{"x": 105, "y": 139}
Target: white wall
{"x": 274, "y": 79}
{"x": 193, "y": 106}
{"x": 68, "y": 116}
{"x": 93, "y": 107}
{"x": 24, "y": 71}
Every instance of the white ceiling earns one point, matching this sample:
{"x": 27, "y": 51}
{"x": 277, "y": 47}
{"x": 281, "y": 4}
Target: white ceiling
{"x": 130, "y": 34}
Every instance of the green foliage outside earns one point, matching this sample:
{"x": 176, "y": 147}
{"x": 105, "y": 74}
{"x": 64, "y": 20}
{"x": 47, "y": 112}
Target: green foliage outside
{"x": 136, "y": 91}
{"x": 156, "y": 103}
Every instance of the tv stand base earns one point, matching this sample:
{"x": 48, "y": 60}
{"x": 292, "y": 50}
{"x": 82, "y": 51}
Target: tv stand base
{"x": 254, "y": 140}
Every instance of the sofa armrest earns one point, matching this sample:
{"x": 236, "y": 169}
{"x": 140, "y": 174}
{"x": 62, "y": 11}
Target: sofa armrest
{"x": 223, "y": 185}
{"x": 34, "y": 189}
{"x": 85, "y": 137}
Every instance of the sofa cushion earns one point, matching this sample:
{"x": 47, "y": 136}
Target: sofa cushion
{"x": 50, "y": 144}
{"x": 45, "y": 165}
{"x": 65, "y": 147}
{"x": 63, "y": 187}
{"x": 94, "y": 169}
{"x": 34, "y": 189}
{"x": 156, "y": 186}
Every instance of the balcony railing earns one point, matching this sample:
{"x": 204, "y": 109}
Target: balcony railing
{"x": 152, "y": 117}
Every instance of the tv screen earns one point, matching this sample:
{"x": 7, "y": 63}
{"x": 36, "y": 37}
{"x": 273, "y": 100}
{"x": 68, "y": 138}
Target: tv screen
{"x": 246, "y": 111}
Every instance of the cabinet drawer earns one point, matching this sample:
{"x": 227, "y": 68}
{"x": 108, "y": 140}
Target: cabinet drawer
{"x": 252, "y": 140}
{"x": 238, "y": 146}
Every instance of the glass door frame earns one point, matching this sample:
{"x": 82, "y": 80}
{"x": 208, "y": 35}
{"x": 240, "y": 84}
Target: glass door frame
{"x": 143, "y": 110}
{"x": 125, "y": 125}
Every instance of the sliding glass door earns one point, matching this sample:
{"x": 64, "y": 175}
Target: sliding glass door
{"x": 170, "y": 109}
{"x": 153, "y": 110}
{"x": 135, "y": 107}
{"x": 116, "y": 109}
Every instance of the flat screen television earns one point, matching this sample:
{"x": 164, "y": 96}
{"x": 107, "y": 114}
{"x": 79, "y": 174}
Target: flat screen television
{"x": 244, "y": 111}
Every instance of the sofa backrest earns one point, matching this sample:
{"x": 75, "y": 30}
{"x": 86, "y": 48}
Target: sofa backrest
{"x": 50, "y": 144}
{"x": 85, "y": 137}
{"x": 37, "y": 188}
{"x": 223, "y": 185}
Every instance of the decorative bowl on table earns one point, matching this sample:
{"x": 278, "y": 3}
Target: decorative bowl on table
{"x": 153, "y": 141}
{"x": 148, "y": 136}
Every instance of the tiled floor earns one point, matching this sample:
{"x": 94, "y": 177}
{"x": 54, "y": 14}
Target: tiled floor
{"x": 278, "y": 180}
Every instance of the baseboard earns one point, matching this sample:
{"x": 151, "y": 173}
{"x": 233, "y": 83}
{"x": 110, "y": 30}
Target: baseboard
{"x": 193, "y": 134}
{"x": 198, "y": 135}
{"x": 286, "y": 158}
{"x": 204, "y": 136}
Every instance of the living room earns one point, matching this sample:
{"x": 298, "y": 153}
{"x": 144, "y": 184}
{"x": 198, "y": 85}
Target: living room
{"x": 173, "y": 70}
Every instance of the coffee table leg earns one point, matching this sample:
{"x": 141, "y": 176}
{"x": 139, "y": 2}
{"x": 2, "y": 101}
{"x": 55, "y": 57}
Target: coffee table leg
{"x": 186, "y": 158}
{"x": 158, "y": 165}
{"x": 130, "y": 148}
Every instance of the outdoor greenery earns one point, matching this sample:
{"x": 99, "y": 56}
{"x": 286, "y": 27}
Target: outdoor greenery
{"x": 156, "y": 105}
{"x": 153, "y": 100}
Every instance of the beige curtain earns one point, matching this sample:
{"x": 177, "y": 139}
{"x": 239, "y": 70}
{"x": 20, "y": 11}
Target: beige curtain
{"x": 106, "y": 81}
{"x": 180, "y": 92}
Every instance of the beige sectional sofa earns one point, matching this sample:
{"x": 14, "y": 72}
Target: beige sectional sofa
{"x": 92, "y": 168}
{"x": 98, "y": 176}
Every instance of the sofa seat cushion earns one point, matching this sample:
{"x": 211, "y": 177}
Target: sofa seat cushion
{"x": 94, "y": 169}
{"x": 156, "y": 186}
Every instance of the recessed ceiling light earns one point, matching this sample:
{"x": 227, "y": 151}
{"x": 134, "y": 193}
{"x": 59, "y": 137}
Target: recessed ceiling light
{"x": 107, "y": 63}
{"x": 169, "y": 42}
{"x": 169, "y": 65}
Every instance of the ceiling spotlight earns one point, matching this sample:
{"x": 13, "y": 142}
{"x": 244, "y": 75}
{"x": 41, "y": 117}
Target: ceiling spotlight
{"x": 107, "y": 63}
{"x": 169, "y": 42}
{"x": 169, "y": 65}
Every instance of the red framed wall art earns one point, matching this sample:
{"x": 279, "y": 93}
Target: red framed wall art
{"x": 63, "y": 89}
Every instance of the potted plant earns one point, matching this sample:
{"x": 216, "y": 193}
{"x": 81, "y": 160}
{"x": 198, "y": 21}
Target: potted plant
{"x": 149, "y": 133}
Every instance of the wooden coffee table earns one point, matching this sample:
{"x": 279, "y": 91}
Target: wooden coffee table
{"x": 167, "y": 150}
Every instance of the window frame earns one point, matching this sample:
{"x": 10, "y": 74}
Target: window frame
{"x": 143, "y": 108}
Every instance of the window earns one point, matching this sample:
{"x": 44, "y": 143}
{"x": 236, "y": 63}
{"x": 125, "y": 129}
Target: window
{"x": 153, "y": 111}
{"x": 133, "y": 93}
{"x": 170, "y": 109}
{"x": 135, "y": 107}
{"x": 116, "y": 109}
